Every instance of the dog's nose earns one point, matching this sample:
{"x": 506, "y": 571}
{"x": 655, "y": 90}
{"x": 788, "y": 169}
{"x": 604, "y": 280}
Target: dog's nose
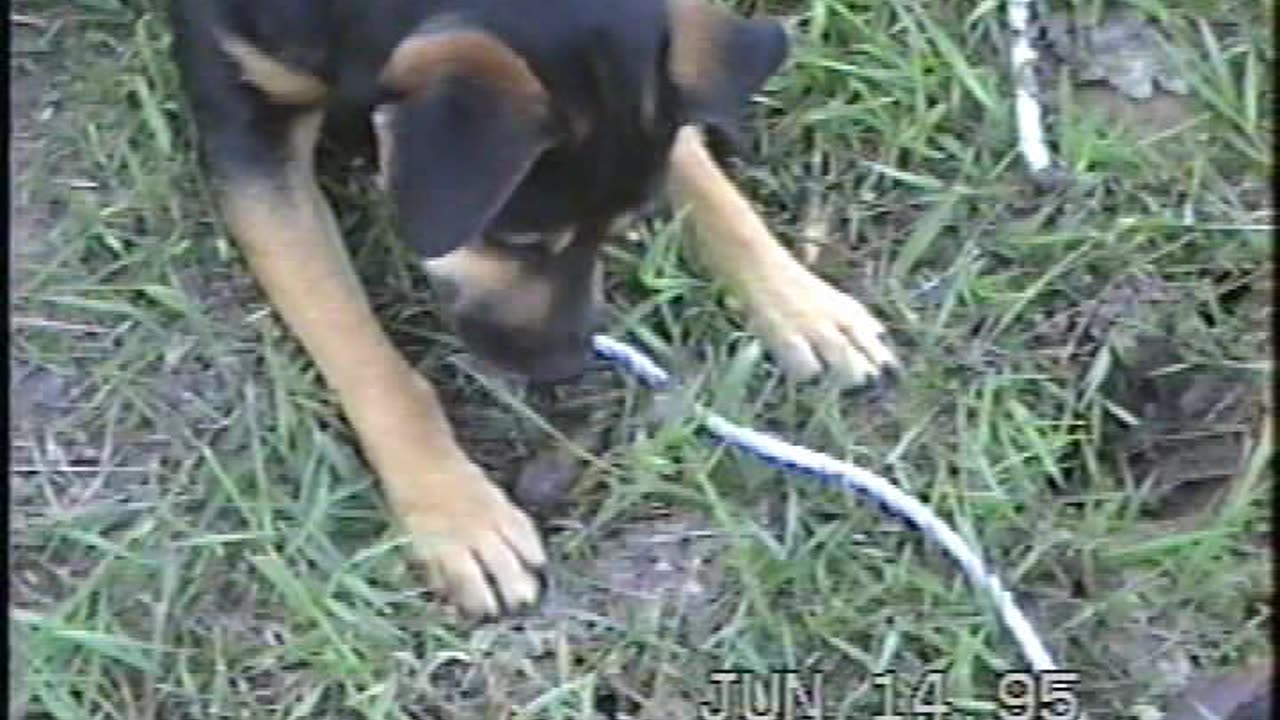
{"x": 562, "y": 365}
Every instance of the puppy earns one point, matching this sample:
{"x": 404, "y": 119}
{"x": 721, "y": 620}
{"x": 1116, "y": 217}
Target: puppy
{"x": 511, "y": 137}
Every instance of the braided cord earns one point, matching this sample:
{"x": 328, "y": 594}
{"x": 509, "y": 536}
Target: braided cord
{"x": 858, "y": 480}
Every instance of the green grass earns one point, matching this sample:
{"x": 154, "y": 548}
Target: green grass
{"x": 194, "y": 535}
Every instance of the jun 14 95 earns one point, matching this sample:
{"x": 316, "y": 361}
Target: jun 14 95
{"x": 796, "y": 695}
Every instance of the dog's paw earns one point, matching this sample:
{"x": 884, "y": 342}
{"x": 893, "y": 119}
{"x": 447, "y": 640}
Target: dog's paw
{"x": 810, "y": 327}
{"x": 478, "y": 549}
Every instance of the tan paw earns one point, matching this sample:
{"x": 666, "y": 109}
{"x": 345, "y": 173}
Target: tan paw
{"x": 479, "y": 550}
{"x": 811, "y": 327}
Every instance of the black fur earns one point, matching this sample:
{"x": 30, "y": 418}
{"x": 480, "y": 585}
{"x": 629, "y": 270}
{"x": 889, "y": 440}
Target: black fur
{"x": 466, "y": 171}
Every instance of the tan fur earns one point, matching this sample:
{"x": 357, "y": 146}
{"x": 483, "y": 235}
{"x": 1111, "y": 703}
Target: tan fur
{"x": 733, "y": 240}
{"x": 423, "y": 59}
{"x": 281, "y": 83}
{"x": 457, "y": 518}
{"x": 479, "y": 271}
{"x": 806, "y": 323}
{"x": 474, "y": 267}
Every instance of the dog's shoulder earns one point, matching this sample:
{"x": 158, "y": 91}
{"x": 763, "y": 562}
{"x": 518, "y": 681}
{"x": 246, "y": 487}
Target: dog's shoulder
{"x": 346, "y": 43}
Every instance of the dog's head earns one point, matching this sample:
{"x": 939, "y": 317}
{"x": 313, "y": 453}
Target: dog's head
{"x": 520, "y": 137}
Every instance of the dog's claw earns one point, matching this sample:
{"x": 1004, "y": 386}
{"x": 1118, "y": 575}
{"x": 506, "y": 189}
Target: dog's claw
{"x": 810, "y": 327}
{"x": 479, "y": 550}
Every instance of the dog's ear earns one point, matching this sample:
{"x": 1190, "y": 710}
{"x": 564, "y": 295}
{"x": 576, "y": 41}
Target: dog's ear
{"x": 470, "y": 120}
{"x": 717, "y": 60}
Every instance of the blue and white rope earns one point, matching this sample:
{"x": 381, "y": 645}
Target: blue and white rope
{"x": 852, "y": 478}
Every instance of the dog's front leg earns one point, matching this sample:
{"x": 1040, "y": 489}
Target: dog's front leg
{"x": 463, "y": 527}
{"x": 807, "y": 324}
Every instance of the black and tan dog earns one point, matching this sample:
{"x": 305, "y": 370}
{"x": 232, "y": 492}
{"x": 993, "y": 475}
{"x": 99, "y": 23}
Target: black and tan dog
{"x": 512, "y": 135}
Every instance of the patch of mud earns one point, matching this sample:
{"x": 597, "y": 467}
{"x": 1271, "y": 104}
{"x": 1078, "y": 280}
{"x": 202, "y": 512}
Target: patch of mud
{"x": 1147, "y": 118}
{"x": 37, "y": 396}
{"x": 1191, "y": 426}
{"x": 666, "y": 562}
{"x": 1121, "y": 50}
{"x": 26, "y": 98}
{"x": 1245, "y": 694}
{"x": 530, "y": 457}
{"x": 1075, "y": 332}
{"x": 1122, "y": 69}
{"x": 1196, "y": 426}
{"x": 657, "y": 578}
{"x": 34, "y": 99}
